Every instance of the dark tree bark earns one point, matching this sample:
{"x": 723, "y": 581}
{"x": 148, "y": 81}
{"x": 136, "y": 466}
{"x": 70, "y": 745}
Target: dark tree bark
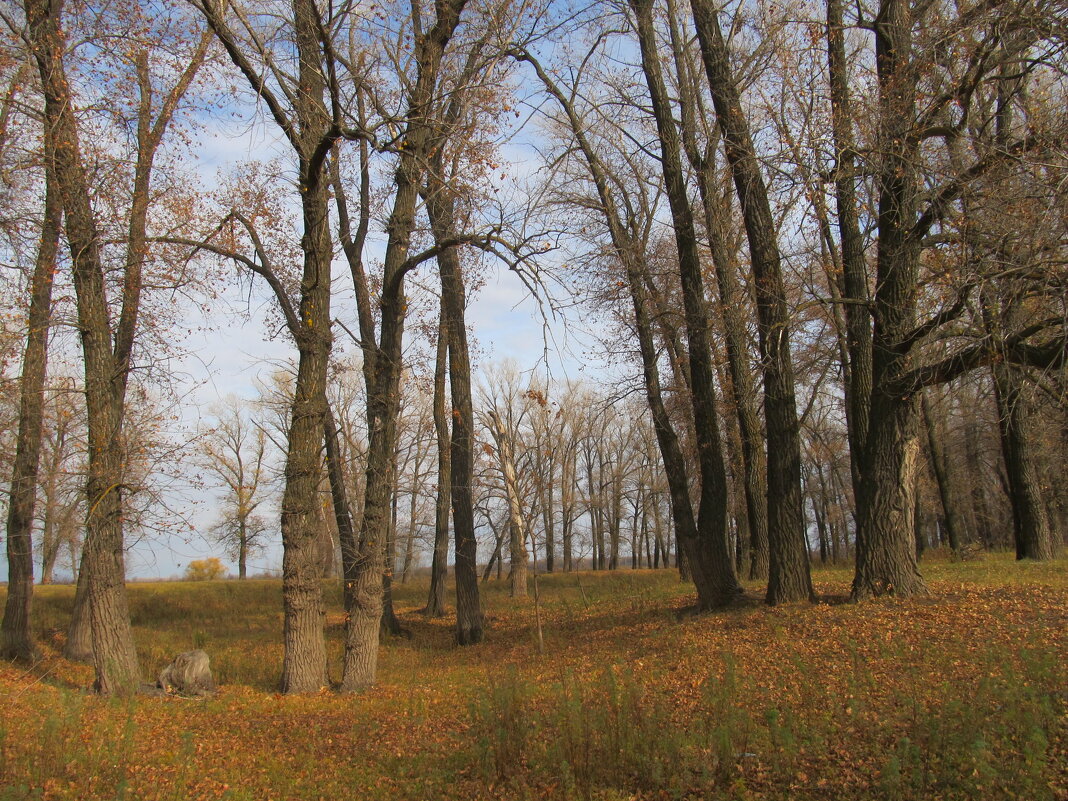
{"x": 980, "y": 506}
{"x": 712, "y": 513}
{"x": 79, "y": 644}
{"x": 732, "y": 306}
{"x": 435, "y": 603}
{"x": 441, "y": 211}
{"x": 16, "y": 638}
{"x": 788, "y": 576}
{"x": 854, "y": 269}
{"x": 391, "y": 624}
{"x": 568, "y": 492}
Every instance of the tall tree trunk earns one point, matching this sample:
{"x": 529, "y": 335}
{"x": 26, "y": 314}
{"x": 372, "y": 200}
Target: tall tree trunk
{"x": 115, "y": 659}
{"x": 788, "y": 570}
{"x": 854, "y": 269}
{"x": 304, "y": 660}
{"x": 886, "y": 556}
{"x": 714, "y": 549}
{"x": 435, "y": 602}
{"x": 16, "y": 638}
{"x": 714, "y": 587}
{"x": 384, "y": 363}
{"x": 441, "y": 211}
{"x": 732, "y": 306}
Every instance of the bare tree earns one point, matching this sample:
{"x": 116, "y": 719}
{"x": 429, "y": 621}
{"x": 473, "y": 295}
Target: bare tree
{"x": 235, "y": 456}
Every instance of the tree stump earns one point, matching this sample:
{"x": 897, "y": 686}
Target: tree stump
{"x": 189, "y": 674}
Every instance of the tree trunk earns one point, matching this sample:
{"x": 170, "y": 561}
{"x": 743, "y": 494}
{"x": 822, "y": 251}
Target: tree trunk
{"x": 242, "y": 547}
{"x": 79, "y": 644}
{"x": 732, "y": 307}
{"x": 712, "y": 559}
{"x": 713, "y": 588}
{"x": 384, "y": 364}
{"x": 304, "y": 660}
{"x": 615, "y": 523}
{"x": 945, "y": 477}
{"x": 390, "y": 624}
{"x": 1032, "y": 534}
{"x": 469, "y": 614}
{"x": 980, "y": 506}
{"x": 788, "y": 572}
{"x": 435, "y": 602}
{"x": 886, "y": 556}
{"x": 106, "y": 372}
{"x": 548, "y": 517}
{"x": 16, "y": 638}
{"x": 854, "y": 269}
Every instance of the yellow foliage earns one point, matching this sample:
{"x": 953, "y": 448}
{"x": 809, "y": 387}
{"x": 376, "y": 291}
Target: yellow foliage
{"x": 205, "y": 569}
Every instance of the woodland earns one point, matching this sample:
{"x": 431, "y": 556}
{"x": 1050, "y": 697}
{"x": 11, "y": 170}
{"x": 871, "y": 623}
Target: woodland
{"x": 821, "y": 250}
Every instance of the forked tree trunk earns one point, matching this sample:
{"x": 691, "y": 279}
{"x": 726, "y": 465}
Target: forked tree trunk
{"x": 886, "y": 556}
{"x": 711, "y": 557}
{"x": 117, "y": 669}
{"x": 383, "y": 363}
{"x": 854, "y": 269}
{"x": 732, "y": 305}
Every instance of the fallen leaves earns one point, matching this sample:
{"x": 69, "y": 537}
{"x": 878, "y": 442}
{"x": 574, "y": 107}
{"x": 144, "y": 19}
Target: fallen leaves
{"x": 830, "y": 691}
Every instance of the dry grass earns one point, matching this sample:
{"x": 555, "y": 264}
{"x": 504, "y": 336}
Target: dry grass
{"x": 960, "y": 695}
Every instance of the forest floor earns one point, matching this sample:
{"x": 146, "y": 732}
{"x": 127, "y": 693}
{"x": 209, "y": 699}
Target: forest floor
{"x": 963, "y": 694}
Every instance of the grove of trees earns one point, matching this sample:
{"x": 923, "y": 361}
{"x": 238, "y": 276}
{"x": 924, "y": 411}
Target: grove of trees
{"x": 821, "y": 250}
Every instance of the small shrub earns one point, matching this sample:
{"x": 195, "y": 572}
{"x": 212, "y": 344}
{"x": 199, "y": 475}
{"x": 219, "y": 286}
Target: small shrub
{"x": 205, "y": 569}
